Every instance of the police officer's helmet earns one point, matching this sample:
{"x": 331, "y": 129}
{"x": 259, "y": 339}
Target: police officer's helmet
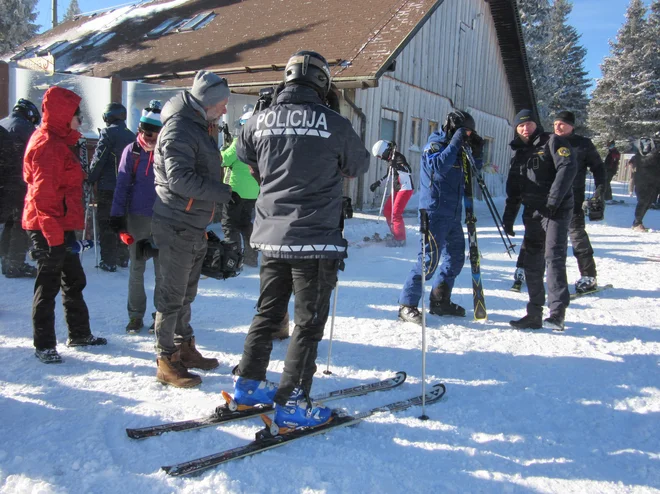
{"x": 383, "y": 149}
{"x": 308, "y": 68}
{"x": 457, "y": 119}
{"x": 28, "y": 110}
{"x": 114, "y": 112}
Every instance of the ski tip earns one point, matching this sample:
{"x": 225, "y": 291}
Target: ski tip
{"x": 401, "y": 377}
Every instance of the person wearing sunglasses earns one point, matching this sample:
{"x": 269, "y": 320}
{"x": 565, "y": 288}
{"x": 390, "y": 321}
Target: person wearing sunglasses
{"x": 132, "y": 208}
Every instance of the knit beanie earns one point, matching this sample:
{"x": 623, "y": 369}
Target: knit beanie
{"x": 209, "y": 88}
{"x": 150, "y": 119}
{"x": 522, "y": 117}
{"x": 567, "y": 117}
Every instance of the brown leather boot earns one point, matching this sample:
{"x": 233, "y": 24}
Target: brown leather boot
{"x": 192, "y": 359}
{"x": 171, "y": 371}
{"x": 283, "y": 333}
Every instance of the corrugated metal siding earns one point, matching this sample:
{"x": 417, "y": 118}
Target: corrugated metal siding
{"x": 457, "y": 44}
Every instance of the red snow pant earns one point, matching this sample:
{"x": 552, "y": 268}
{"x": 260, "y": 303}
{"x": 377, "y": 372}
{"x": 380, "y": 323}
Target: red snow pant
{"x": 395, "y": 218}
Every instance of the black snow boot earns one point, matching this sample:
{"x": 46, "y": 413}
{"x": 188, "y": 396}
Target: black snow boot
{"x": 90, "y": 340}
{"x": 441, "y": 304}
{"x": 48, "y": 356}
{"x": 528, "y": 322}
{"x": 555, "y": 321}
{"x": 410, "y": 314}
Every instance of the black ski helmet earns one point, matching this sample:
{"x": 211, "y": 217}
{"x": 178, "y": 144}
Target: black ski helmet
{"x": 457, "y": 119}
{"x": 114, "y": 112}
{"x": 308, "y": 68}
{"x": 28, "y": 110}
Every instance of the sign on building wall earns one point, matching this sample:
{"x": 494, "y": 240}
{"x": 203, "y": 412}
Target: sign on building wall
{"x": 41, "y": 64}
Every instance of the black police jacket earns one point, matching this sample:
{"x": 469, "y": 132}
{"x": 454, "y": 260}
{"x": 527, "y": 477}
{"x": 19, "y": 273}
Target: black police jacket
{"x": 587, "y": 159}
{"x": 301, "y": 149}
{"x": 105, "y": 163}
{"x": 541, "y": 175}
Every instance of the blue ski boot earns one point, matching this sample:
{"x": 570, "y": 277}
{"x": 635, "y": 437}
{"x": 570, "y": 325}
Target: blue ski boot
{"x": 249, "y": 393}
{"x": 297, "y": 413}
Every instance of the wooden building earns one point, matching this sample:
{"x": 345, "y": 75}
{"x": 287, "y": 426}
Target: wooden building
{"x": 402, "y": 65}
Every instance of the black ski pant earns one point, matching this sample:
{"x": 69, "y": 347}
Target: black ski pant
{"x": 608, "y": 186}
{"x": 237, "y": 223}
{"x": 312, "y": 282}
{"x": 647, "y": 190}
{"x": 582, "y": 249}
{"x": 58, "y": 269}
{"x": 113, "y": 251}
{"x": 14, "y": 241}
{"x": 546, "y": 244}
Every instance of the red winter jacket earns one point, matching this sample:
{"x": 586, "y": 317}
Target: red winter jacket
{"x": 52, "y": 171}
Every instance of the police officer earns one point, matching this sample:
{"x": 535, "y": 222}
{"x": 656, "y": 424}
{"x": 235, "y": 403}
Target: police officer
{"x": 300, "y": 149}
{"x": 611, "y": 167}
{"x": 587, "y": 158}
{"x": 542, "y": 181}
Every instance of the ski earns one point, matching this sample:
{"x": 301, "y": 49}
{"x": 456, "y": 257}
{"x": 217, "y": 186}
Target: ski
{"x": 598, "y": 289}
{"x": 222, "y": 414}
{"x": 478, "y": 299}
{"x": 265, "y": 440}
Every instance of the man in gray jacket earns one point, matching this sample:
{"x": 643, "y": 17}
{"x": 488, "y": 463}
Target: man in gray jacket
{"x": 300, "y": 148}
{"x": 188, "y": 179}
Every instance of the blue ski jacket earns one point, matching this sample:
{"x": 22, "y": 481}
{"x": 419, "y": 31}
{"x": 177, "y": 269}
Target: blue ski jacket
{"x": 441, "y": 175}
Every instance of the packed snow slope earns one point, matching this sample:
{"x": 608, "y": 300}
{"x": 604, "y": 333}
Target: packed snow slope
{"x": 537, "y": 411}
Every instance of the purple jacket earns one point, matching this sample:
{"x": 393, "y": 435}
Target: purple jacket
{"x": 135, "y": 192}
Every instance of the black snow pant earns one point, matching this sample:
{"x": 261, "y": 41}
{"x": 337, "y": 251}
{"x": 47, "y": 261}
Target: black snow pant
{"x": 608, "y": 186}
{"x": 237, "y": 223}
{"x": 647, "y": 190}
{"x": 546, "y": 243}
{"x": 312, "y": 282}
{"x": 113, "y": 251}
{"x": 59, "y": 269}
{"x": 582, "y": 249}
{"x": 520, "y": 262}
{"x": 14, "y": 241}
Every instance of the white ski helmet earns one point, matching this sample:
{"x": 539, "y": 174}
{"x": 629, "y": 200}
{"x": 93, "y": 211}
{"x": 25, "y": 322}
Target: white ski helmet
{"x": 382, "y": 149}
{"x": 245, "y": 117}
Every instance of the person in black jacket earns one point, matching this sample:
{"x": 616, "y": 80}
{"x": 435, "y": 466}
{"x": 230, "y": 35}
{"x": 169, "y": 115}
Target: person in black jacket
{"x": 611, "y": 167}
{"x": 300, "y": 149}
{"x": 542, "y": 181}
{"x": 647, "y": 178}
{"x": 103, "y": 173}
{"x": 587, "y": 159}
{"x": 15, "y": 242}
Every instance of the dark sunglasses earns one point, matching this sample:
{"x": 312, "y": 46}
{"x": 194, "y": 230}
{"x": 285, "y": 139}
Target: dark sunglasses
{"x": 149, "y": 134}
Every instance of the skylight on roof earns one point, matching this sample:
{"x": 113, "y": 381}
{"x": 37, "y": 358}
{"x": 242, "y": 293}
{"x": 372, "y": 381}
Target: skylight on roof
{"x": 197, "y": 22}
{"x": 21, "y": 54}
{"x": 160, "y": 29}
{"x": 53, "y": 48}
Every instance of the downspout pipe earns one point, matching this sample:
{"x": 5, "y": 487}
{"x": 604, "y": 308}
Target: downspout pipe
{"x": 363, "y": 136}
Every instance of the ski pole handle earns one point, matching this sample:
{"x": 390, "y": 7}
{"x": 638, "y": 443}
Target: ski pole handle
{"x": 80, "y": 246}
{"x": 423, "y": 222}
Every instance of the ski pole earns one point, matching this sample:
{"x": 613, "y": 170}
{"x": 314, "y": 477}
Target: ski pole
{"x": 423, "y": 229}
{"x": 327, "y": 370}
{"x": 382, "y": 202}
{"x": 96, "y": 240}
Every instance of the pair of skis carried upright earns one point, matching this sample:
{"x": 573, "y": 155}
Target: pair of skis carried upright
{"x": 266, "y": 438}
{"x": 470, "y": 170}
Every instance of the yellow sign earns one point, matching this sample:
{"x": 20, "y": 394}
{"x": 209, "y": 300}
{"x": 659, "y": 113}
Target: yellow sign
{"x": 40, "y": 64}
{"x": 565, "y": 152}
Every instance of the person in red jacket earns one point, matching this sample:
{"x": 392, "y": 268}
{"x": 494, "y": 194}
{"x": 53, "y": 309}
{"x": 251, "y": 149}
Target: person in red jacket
{"x": 53, "y": 211}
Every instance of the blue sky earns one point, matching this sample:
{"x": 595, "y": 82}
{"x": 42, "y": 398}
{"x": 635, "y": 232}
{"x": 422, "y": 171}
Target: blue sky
{"x": 597, "y": 20}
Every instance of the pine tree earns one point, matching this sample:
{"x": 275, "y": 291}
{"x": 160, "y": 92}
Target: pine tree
{"x": 16, "y": 23}
{"x": 652, "y": 62}
{"x": 566, "y": 78}
{"x": 72, "y": 11}
{"x": 620, "y": 103}
{"x": 534, "y": 16}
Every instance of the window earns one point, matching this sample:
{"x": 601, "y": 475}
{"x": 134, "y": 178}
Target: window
{"x": 197, "y": 22}
{"x": 388, "y": 129}
{"x": 28, "y": 52}
{"x": 487, "y": 156}
{"x": 433, "y": 127}
{"x": 96, "y": 40}
{"x": 160, "y": 29}
{"x": 415, "y": 132}
{"x": 52, "y": 48}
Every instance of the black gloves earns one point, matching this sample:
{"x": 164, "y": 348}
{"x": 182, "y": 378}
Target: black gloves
{"x": 117, "y": 223}
{"x": 374, "y": 186}
{"x": 599, "y": 194}
{"x": 477, "y": 144}
{"x": 548, "y": 211}
{"x": 508, "y": 229}
{"x": 235, "y": 199}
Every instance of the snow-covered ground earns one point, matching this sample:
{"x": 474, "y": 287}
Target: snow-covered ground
{"x": 524, "y": 411}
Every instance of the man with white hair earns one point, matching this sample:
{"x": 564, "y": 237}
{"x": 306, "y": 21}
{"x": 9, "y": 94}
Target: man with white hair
{"x": 188, "y": 179}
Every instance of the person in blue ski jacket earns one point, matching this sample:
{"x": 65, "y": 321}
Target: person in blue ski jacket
{"x": 441, "y": 195}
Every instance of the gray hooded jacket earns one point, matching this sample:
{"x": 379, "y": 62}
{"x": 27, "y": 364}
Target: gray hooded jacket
{"x": 301, "y": 149}
{"x": 187, "y": 166}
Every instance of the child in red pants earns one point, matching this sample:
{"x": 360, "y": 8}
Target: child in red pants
{"x": 402, "y": 191}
